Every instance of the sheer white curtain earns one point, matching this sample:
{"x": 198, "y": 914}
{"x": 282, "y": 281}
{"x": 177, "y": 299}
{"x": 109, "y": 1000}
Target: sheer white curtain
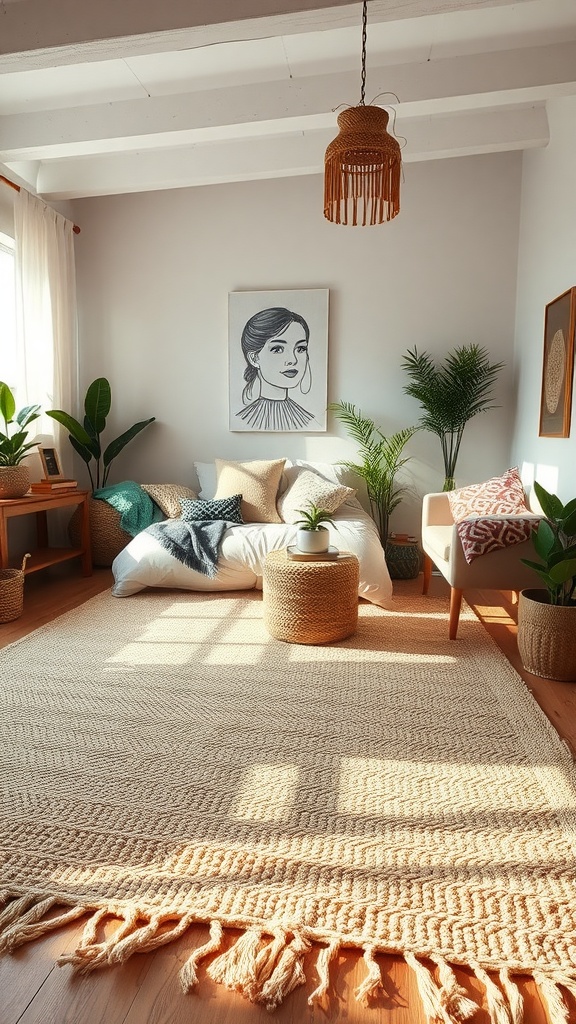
{"x": 46, "y": 312}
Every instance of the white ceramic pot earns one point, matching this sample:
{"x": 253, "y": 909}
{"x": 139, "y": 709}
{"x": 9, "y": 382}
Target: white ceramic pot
{"x": 313, "y": 541}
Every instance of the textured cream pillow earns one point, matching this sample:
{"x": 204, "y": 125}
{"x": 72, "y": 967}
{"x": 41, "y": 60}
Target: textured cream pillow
{"x": 167, "y": 497}
{"x": 258, "y": 484}
{"x": 309, "y": 487}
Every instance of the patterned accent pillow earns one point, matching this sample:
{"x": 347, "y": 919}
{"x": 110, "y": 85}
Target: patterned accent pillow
{"x": 499, "y": 496}
{"x": 257, "y": 482}
{"x": 167, "y": 497}
{"x": 309, "y": 487}
{"x": 227, "y": 509}
{"x": 479, "y": 536}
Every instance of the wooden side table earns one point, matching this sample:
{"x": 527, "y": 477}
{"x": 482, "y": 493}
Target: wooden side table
{"x": 310, "y": 602}
{"x": 40, "y": 504}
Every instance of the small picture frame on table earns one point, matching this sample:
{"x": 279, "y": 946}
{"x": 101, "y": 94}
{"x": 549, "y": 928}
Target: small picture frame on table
{"x": 558, "y": 366}
{"x": 50, "y": 463}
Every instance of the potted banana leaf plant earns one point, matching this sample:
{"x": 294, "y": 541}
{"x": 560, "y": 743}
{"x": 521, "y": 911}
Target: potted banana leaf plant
{"x": 14, "y": 477}
{"x": 547, "y": 618}
{"x": 107, "y": 537}
{"x": 86, "y": 438}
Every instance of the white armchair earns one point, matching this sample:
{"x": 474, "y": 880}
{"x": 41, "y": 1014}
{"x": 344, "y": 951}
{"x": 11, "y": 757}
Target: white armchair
{"x": 497, "y": 570}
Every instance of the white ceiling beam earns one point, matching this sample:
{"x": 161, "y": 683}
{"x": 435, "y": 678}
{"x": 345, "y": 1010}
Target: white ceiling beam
{"x": 455, "y": 135}
{"x": 41, "y": 34}
{"x": 444, "y": 86}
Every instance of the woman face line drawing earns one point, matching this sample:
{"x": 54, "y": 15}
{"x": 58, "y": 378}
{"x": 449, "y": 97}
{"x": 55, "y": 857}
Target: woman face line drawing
{"x": 282, "y": 361}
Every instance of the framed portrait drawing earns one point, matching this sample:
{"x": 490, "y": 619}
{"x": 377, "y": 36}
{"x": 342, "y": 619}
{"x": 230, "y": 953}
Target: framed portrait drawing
{"x": 558, "y": 366}
{"x": 278, "y": 358}
{"x": 50, "y": 463}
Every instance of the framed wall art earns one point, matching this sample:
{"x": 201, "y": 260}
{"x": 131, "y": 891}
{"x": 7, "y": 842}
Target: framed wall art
{"x": 558, "y": 366}
{"x": 278, "y": 358}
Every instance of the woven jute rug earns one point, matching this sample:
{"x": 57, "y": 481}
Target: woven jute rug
{"x": 166, "y": 762}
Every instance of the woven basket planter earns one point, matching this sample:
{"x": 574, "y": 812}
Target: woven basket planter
{"x": 14, "y": 481}
{"x": 106, "y": 536}
{"x": 12, "y": 592}
{"x": 546, "y": 636}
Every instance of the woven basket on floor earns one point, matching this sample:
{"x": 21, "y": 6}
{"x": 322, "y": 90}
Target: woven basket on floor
{"x": 310, "y": 602}
{"x": 12, "y": 592}
{"x": 106, "y": 536}
{"x": 546, "y": 637}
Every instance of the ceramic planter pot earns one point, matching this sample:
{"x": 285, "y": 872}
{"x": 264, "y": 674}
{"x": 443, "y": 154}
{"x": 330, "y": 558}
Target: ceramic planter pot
{"x": 546, "y": 636}
{"x": 313, "y": 541}
{"x": 14, "y": 481}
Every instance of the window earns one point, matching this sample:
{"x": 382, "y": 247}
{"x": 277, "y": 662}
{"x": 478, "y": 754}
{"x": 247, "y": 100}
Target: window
{"x": 8, "y": 352}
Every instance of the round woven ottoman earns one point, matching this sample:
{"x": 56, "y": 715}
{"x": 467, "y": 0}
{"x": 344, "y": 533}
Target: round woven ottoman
{"x": 312, "y": 602}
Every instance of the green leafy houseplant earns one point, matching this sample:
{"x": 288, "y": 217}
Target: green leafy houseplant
{"x": 450, "y": 394}
{"x": 85, "y": 438}
{"x": 555, "y": 544}
{"x": 313, "y": 518}
{"x": 381, "y": 460}
{"x": 13, "y": 447}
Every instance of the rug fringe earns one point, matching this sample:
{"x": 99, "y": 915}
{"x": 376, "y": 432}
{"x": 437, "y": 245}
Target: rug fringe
{"x": 373, "y": 980}
{"x": 188, "y": 976}
{"x": 323, "y": 961}
{"x": 558, "y": 1012}
{"x": 265, "y": 965}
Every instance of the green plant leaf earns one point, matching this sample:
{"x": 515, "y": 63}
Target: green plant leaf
{"x": 97, "y": 403}
{"x": 551, "y": 505}
{"x": 563, "y": 571}
{"x": 543, "y": 539}
{"x": 27, "y": 415}
{"x": 569, "y": 522}
{"x": 7, "y": 403}
{"x": 116, "y": 446}
{"x": 73, "y": 427}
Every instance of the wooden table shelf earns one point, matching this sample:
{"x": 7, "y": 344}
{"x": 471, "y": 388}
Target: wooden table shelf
{"x": 43, "y": 555}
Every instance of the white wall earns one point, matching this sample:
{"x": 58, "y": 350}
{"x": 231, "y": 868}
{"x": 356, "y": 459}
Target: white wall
{"x": 546, "y": 268}
{"x": 155, "y": 269}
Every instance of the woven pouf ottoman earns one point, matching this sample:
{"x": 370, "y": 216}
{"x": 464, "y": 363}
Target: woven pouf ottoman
{"x": 312, "y": 602}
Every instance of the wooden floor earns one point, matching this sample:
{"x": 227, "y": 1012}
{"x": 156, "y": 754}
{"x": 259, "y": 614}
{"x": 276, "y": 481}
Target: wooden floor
{"x": 146, "y": 990}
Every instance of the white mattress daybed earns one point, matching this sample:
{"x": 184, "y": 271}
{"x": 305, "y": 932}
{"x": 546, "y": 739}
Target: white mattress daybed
{"x": 144, "y": 562}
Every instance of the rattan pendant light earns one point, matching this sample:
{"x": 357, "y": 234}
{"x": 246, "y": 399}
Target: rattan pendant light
{"x": 362, "y": 165}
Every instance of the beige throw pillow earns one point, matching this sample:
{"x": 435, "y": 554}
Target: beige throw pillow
{"x": 167, "y": 497}
{"x": 309, "y": 487}
{"x": 258, "y": 484}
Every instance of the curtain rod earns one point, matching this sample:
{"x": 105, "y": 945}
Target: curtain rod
{"x": 17, "y": 188}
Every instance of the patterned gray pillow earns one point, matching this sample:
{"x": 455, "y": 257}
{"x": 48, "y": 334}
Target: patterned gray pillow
{"x": 227, "y": 509}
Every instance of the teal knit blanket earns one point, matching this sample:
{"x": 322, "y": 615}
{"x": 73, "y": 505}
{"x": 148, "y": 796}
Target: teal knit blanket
{"x": 136, "y": 508}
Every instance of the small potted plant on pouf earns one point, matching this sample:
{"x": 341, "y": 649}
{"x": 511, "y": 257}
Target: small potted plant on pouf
{"x": 313, "y": 537}
{"x": 14, "y": 477}
{"x": 547, "y": 618}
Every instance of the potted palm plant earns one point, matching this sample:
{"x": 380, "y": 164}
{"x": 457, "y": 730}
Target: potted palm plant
{"x": 547, "y": 618}
{"x": 14, "y": 477}
{"x": 381, "y": 459}
{"x": 313, "y": 537}
{"x": 450, "y": 394}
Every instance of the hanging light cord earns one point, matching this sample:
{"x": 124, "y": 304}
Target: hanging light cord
{"x": 363, "y": 75}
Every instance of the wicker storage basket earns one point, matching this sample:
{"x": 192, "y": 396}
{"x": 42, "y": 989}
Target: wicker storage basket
{"x": 106, "y": 536}
{"x": 310, "y": 602}
{"x": 546, "y": 637}
{"x": 12, "y": 592}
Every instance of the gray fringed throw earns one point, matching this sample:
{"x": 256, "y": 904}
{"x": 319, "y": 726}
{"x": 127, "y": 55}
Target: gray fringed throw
{"x": 196, "y": 544}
